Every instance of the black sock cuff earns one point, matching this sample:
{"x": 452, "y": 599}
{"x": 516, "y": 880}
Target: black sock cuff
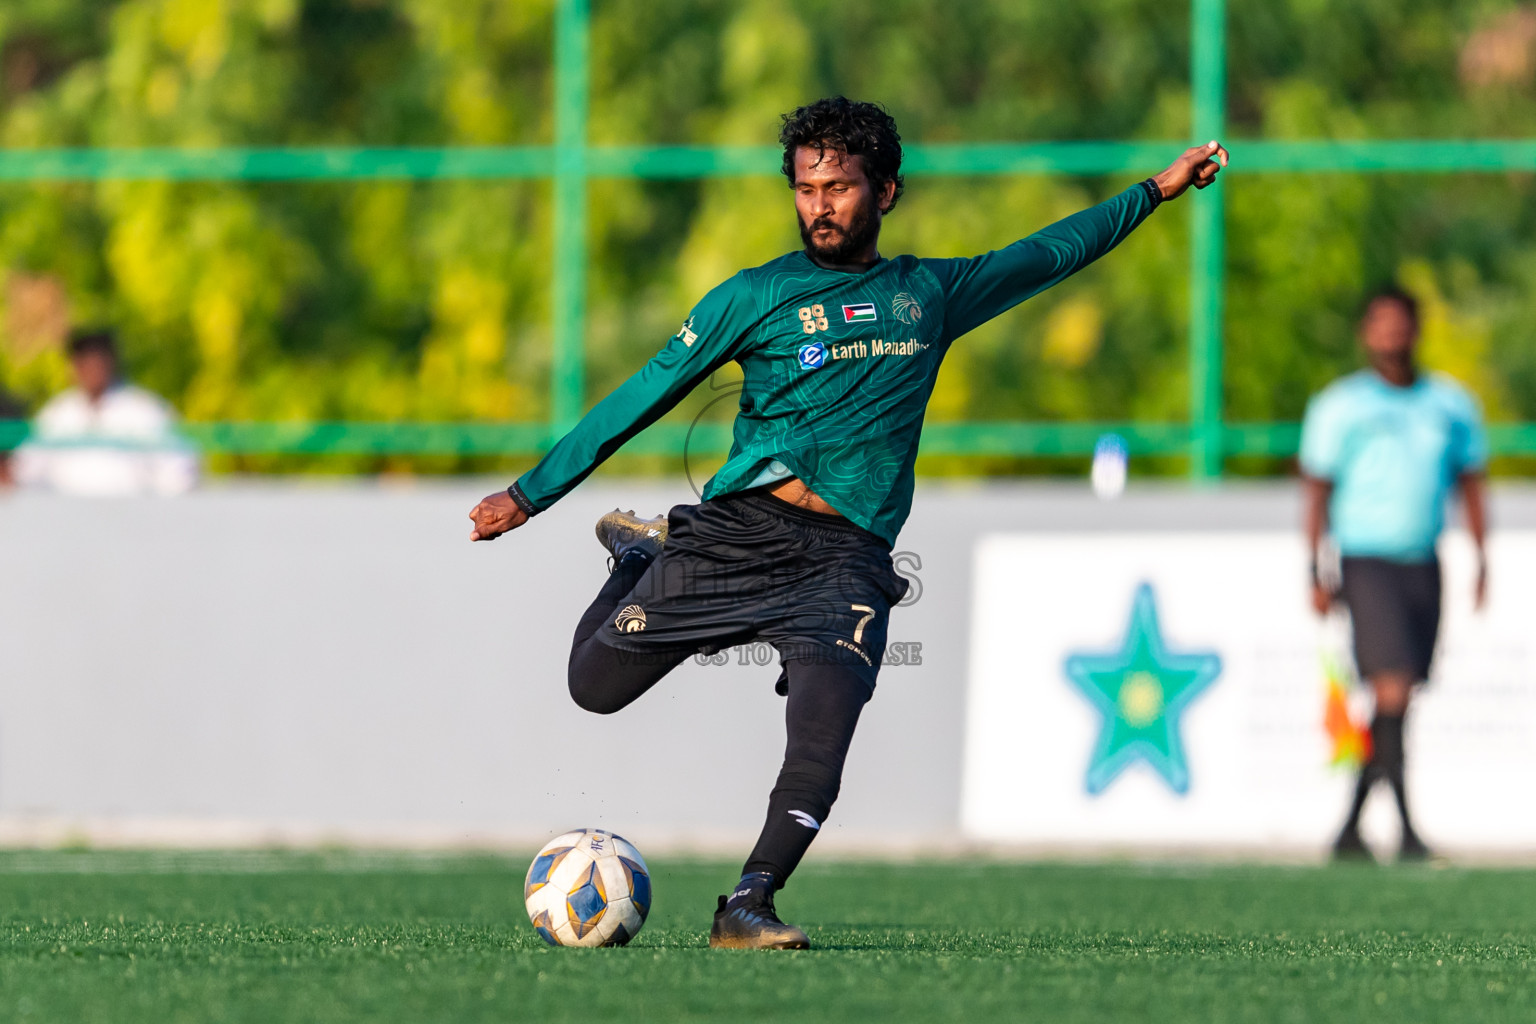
{"x": 809, "y": 771}
{"x": 1387, "y": 741}
{"x": 807, "y": 782}
{"x": 636, "y": 556}
{"x": 754, "y": 885}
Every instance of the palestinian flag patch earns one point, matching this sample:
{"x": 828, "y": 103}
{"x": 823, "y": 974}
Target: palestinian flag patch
{"x": 863, "y": 313}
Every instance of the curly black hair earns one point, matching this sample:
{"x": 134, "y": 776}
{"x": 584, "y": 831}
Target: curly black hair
{"x": 1392, "y": 293}
{"x": 92, "y": 339}
{"x": 858, "y": 129}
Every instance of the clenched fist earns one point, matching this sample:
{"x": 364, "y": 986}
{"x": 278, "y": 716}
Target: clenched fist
{"x": 495, "y": 515}
{"x": 1198, "y": 167}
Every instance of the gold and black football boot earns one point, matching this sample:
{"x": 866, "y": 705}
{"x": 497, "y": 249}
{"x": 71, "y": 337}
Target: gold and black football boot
{"x": 624, "y": 533}
{"x": 746, "y": 920}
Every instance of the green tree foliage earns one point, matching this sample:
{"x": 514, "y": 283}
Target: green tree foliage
{"x": 430, "y": 301}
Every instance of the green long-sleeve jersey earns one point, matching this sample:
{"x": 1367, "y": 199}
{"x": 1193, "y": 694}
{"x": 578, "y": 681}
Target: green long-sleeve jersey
{"x": 837, "y": 367}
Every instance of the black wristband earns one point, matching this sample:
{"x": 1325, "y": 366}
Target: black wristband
{"x": 516, "y": 494}
{"x": 1154, "y": 192}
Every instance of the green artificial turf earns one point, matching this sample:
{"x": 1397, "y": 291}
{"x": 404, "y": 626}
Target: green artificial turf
{"x": 353, "y": 937}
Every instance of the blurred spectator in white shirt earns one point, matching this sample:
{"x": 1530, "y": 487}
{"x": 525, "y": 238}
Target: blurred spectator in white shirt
{"x": 10, "y": 411}
{"x": 105, "y": 437}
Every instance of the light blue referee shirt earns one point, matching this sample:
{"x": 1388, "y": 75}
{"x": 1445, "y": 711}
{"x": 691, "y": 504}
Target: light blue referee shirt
{"x": 1393, "y": 455}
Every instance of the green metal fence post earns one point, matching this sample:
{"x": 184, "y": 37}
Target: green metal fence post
{"x": 1207, "y": 242}
{"x": 572, "y": 91}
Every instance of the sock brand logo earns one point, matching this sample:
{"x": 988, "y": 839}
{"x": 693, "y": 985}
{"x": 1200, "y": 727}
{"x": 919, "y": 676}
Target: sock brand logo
{"x": 806, "y": 820}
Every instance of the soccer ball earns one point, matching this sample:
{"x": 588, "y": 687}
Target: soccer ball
{"x": 588, "y": 888}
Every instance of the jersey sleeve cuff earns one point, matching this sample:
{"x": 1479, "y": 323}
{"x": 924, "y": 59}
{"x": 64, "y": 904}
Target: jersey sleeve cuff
{"x": 1154, "y": 193}
{"x": 521, "y": 500}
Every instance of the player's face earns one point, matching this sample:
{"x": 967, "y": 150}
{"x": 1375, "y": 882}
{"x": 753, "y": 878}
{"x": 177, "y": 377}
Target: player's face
{"x": 838, "y": 208}
{"x": 1387, "y": 330}
{"x": 94, "y": 371}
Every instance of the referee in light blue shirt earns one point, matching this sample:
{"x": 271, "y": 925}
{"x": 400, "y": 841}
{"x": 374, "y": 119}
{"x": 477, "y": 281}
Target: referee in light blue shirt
{"x": 1381, "y": 450}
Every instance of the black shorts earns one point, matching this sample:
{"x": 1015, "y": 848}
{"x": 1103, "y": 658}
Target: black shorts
{"x": 1395, "y": 610}
{"x": 749, "y": 567}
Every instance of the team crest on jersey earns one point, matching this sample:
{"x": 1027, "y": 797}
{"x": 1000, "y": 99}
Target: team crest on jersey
{"x": 812, "y": 356}
{"x": 631, "y": 619}
{"x": 906, "y": 308}
{"x": 687, "y": 334}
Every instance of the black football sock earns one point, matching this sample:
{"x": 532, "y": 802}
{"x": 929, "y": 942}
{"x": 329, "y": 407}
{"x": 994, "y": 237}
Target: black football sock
{"x": 1386, "y": 763}
{"x": 822, "y": 711}
{"x": 797, "y": 808}
{"x": 1387, "y": 743}
{"x": 1363, "y": 786}
{"x": 1369, "y": 773}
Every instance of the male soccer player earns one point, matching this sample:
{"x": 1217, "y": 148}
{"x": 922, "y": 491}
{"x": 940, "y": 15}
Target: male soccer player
{"x": 1380, "y": 451}
{"x": 839, "y": 348}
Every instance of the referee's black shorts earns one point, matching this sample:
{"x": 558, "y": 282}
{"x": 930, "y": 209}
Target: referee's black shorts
{"x": 750, "y": 567}
{"x": 1395, "y": 610}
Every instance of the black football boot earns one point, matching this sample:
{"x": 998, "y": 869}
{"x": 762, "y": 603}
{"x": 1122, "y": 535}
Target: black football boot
{"x": 746, "y": 919}
{"x": 1413, "y": 849}
{"x": 1350, "y": 848}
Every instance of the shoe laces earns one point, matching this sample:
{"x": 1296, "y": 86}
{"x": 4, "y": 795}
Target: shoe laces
{"x": 758, "y": 905}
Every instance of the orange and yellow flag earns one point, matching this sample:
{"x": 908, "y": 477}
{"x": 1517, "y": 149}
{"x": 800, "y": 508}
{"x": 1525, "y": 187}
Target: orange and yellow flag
{"x": 1350, "y": 740}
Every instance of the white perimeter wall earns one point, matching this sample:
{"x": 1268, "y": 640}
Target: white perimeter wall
{"x": 301, "y": 662}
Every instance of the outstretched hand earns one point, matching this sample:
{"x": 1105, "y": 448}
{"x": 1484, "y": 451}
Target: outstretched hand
{"x": 1198, "y": 167}
{"x": 495, "y": 515}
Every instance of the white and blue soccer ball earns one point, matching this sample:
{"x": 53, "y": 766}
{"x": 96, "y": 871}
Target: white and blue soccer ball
{"x": 588, "y": 888}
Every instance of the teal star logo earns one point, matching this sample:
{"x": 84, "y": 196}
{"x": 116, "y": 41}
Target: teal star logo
{"x": 1141, "y": 690}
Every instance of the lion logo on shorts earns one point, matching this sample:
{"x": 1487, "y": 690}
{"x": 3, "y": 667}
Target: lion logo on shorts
{"x": 631, "y": 619}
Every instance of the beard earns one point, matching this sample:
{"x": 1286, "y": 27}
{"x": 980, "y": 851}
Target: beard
{"x": 846, "y": 245}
